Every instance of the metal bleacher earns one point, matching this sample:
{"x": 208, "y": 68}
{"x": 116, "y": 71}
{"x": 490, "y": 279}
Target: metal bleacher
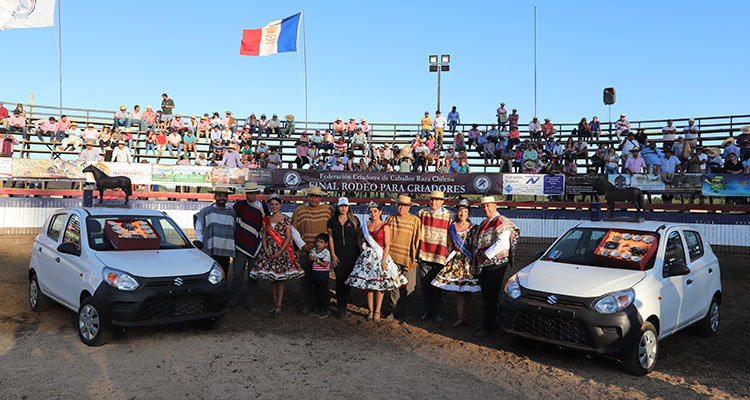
{"x": 713, "y": 130}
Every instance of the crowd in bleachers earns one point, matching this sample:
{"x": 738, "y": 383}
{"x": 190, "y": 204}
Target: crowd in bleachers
{"x": 226, "y": 141}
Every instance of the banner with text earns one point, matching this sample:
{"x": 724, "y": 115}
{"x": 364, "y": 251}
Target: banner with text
{"x": 6, "y": 167}
{"x": 533, "y": 184}
{"x": 346, "y": 181}
{"x": 25, "y": 168}
{"x": 139, "y": 174}
{"x": 737, "y": 185}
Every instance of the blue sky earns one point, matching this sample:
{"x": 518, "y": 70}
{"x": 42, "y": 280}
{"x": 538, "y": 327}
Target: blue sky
{"x": 369, "y": 59}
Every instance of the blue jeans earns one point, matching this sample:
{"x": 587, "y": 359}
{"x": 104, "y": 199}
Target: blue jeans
{"x": 150, "y": 146}
{"x": 122, "y": 122}
{"x": 452, "y": 126}
{"x": 59, "y": 136}
{"x": 170, "y": 146}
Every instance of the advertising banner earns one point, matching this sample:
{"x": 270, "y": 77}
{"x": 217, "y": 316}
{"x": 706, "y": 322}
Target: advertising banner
{"x": 6, "y": 167}
{"x": 726, "y": 185}
{"x": 347, "y": 181}
{"x": 139, "y": 174}
{"x": 582, "y": 184}
{"x": 656, "y": 183}
{"x": 533, "y": 184}
{"x": 46, "y": 169}
{"x": 183, "y": 175}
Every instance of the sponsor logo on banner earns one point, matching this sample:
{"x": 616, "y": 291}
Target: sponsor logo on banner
{"x": 6, "y": 167}
{"x": 47, "y": 169}
{"x": 482, "y": 184}
{"x": 726, "y": 185}
{"x": 533, "y": 184}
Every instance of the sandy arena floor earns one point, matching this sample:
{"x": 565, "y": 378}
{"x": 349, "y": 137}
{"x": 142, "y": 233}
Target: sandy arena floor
{"x": 256, "y": 356}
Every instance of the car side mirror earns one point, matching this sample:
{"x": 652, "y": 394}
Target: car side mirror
{"x": 677, "y": 269}
{"x": 69, "y": 248}
{"x": 540, "y": 253}
{"x": 198, "y": 244}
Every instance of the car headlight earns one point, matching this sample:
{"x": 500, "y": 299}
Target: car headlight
{"x": 119, "y": 279}
{"x": 512, "y": 288}
{"x": 614, "y": 302}
{"x": 216, "y": 275}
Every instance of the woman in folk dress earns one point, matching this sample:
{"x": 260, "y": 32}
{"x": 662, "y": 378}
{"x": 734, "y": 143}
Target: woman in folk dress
{"x": 375, "y": 271}
{"x": 277, "y": 263}
{"x": 457, "y": 276}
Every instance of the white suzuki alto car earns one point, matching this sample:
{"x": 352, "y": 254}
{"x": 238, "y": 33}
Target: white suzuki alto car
{"x": 76, "y": 264}
{"x": 616, "y": 287}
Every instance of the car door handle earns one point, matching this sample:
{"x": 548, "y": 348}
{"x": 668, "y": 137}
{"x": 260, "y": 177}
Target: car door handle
{"x": 710, "y": 270}
{"x": 689, "y": 281}
{"x": 40, "y": 249}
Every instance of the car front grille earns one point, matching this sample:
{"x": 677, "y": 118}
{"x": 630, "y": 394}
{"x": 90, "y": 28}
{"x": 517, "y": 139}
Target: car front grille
{"x": 541, "y": 300}
{"x": 156, "y": 308}
{"x": 553, "y": 327}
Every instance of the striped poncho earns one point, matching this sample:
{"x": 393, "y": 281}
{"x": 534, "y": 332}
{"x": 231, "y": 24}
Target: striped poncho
{"x": 435, "y": 234}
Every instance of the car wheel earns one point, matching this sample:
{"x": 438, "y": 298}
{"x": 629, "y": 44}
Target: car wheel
{"x": 640, "y": 358}
{"x": 209, "y": 324}
{"x": 709, "y": 325}
{"x": 92, "y": 328}
{"x": 37, "y": 300}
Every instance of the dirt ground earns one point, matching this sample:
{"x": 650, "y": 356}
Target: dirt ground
{"x": 292, "y": 356}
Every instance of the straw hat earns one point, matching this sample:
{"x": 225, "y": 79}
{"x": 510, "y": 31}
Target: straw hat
{"x": 726, "y": 142}
{"x": 289, "y": 117}
{"x": 529, "y": 164}
{"x": 746, "y": 129}
{"x": 364, "y": 120}
{"x": 252, "y": 187}
{"x": 488, "y": 200}
{"x": 338, "y": 119}
{"x": 712, "y": 151}
{"x": 437, "y": 194}
{"x": 315, "y": 191}
{"x": 404, "y": 200}
{"x": 220, "y": 189}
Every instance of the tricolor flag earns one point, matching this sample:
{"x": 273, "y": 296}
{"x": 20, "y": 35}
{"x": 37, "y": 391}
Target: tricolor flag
{"x": 277, "y": 37}
{"x": 26, "y": 13}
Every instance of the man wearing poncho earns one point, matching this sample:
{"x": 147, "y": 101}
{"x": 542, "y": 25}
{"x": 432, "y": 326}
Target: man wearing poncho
{"x": 433, "y": 251}
{"x": 494, "y": 246}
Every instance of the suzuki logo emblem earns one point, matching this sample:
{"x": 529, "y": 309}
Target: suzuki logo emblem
{"x": 178, "y": 281}
{"x": 552, "y": 299}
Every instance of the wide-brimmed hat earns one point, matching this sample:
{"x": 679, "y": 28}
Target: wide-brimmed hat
{"x": 712, "y": 151}
{"x": 529, "y": 164}
{"x": 404, "y": 200}
{"x": 463, "y": 203}
{"x": 363, "y": 120}
{"x": 252, "y": 187}
{"x": 488, "y": 200}
{"x": 437, "y": 194}
{"x": 221, "y": 189}
{"x": 727, "y": 141}
{"x": 289, "y": 117}
{"x": 343, "y": 201}
{"x": 315, "y": 191}
{"x": 745, "y": 129}
{"x": 338, "y": 118}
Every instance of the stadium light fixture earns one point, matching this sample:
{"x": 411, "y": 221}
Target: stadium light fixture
{"x": 433, "y": 59}
{"x": 441, "y": 66}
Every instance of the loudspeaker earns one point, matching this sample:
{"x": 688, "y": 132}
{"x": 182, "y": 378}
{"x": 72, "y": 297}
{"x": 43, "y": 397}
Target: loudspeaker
{"x": 609, "y": 95}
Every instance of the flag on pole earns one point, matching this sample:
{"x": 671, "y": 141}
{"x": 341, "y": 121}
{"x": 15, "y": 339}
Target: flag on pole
{"x": 26, "y": 13}
{"x": 277, "y": 37}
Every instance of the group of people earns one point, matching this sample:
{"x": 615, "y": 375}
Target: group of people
{"x": 385, "y": 257}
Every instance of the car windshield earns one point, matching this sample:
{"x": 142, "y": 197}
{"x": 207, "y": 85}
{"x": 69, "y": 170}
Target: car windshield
{"x": 171, "y": 235}
{"x": 610, "y": 248}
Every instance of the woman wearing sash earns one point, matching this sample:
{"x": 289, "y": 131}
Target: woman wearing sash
{"x": 277, "y": 263}
{"x": 456, "y": 276}
{"x": 375, "y": 271}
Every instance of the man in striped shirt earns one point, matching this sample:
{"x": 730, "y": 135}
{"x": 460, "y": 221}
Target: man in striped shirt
{"x": 406, "y": 232}
{"x": 247, "y": 240}
{"x": 433, "y": 251}
{"x": 214, "y": 228}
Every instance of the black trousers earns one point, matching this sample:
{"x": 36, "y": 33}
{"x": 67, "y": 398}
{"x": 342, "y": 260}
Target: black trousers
{"x": 347, "y": 259}
{"x": 491, "y": 282}
{"x": 321, "y": 297}
{"x": 431, "y": 294}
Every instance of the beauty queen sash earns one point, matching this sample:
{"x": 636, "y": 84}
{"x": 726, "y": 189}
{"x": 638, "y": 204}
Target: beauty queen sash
{"x": 279, "y": 240}
{"x": 391, "y": 266}
{"x": 460, "y": 244}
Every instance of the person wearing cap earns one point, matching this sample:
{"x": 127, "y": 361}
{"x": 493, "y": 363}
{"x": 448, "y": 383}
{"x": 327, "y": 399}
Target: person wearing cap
{"x": 627, "y": 144}
{"x": 88, "y": 153}
{"x": 622, "y": 126}
{"x": 406, "y": 234}
{"x": 274, "y": 158}
{"x": 214, "y": 228}
{"x": 167, "y": 107}
{"x": 691, "y": 133}
{"x": 345, "y": 242}
{"x": 310, "y": 220}
{"x": 365, "y": 127}
{"x": 535, "y": 129}
{"x": 90, "y": 133}
{"x": 232, "y": 158}
{"x": 249, "y": 215}
{"x": 375, "y": 271}
{"x": 454, "y": 118}
{"x": 121, "y": 154}
{"x": 635, "y": 164}
{"x": 502, "y": 115}
{"x": 652, "y": 155}
{"x": 494, "y": 249}
{"x": 426, "y": 124}
{"x": 339, "y": 127}
{"x": 17, "y": 123}
{"x": 548, "y": 130}
{"x": 3, "y": 116}
{"x": 121, "y": 117}
{"x": 438, "y": 126}
{"x": 73, "y": 140}
{"x": 456, "y": 276}
{"x": 433, "y": 251}
{"x": 513, "y": 119}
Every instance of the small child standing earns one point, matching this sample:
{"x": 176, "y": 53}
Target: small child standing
{"x": 321, "y": 265}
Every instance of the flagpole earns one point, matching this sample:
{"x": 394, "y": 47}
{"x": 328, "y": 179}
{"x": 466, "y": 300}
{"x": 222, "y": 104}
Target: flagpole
{"x": 535, "y": 61}
{"x": 59, "y": 52}
{"x": 304, "y": 44}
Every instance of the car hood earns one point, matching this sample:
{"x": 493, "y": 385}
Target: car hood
{"x": 157, "y": 263}
{"x": 576, "y": 280}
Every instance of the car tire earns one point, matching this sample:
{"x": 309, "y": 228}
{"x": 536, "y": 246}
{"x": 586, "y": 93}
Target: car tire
{"x": 709, "y": 325}
{"x": 209, "y": 324}
{"x": 93, "y": 329}
{"x": 37, "y": 300}
{"x": 640, "y": 357}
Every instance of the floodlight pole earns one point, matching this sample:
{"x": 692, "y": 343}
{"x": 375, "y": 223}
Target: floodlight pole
{"x": 438, "y": 102}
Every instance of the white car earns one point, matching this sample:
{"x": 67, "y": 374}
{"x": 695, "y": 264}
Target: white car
{"x": 580, "y": 295}
{"x": 75, "y": 263}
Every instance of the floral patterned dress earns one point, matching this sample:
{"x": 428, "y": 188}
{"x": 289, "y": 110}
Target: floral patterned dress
{"x": 368, "y": 273}
{"x": 283, "y": 267}
{"x": 456, "y": 275}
